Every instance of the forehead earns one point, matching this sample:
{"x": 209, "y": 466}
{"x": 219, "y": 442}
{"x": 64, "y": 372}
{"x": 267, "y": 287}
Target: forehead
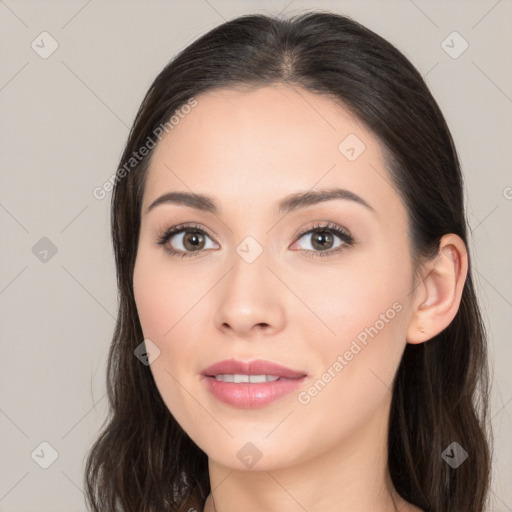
{"x": 260, "y": 145}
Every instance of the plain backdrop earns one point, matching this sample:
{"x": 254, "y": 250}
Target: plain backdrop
{"x": 73, "y": 74}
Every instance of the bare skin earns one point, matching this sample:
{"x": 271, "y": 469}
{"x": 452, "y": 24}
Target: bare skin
{"x": 324, "y": 450}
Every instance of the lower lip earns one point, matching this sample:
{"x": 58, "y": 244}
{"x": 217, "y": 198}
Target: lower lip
{"x": 251, "y": 396}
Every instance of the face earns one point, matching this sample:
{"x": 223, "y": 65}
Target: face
{"x": 319, "y": 287}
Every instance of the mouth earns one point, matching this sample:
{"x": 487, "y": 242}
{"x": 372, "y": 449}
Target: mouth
{"x": 257, "y": 371}
{"x": 239, "y": 378}
{"x": 250, "y": 385}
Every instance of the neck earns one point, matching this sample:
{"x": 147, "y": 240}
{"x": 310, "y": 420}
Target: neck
{"x": 353, "y": 477}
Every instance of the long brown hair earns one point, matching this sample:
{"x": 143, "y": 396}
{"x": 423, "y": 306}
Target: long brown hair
{"x": 142, "y": 460}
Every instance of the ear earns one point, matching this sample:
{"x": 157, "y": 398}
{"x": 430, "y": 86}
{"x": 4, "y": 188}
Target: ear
{"x": 438, "y": 297}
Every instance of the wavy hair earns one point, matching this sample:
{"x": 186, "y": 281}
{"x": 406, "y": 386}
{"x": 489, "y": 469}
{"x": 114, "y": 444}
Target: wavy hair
{"x": 142, "y": 460}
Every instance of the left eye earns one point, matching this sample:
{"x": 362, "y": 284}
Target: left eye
{"x": 323, "y": 237}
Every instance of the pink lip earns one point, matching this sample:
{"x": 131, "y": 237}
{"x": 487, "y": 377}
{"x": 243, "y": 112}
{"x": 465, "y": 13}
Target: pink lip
{"x": 256, "y": 367}
{"x": 248, "y": 395}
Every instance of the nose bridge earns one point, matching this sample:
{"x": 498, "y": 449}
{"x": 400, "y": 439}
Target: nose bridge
{"x": 250, "y": 250}
{"x": 249, "y": 267}
{"x": 248, "y": 297}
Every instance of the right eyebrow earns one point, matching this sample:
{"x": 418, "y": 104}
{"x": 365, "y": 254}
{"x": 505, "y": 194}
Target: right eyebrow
{"x": 192, "y": 200}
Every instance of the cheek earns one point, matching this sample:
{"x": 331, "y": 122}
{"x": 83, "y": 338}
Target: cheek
{"x": 345, "y": 299}
{"x": 171, "y": 306}
{"x": 151, "y": 301}
{"x": 361, "y": 318}
{"x": 161, "y": 296}
{"x": 355, "y": 367}
{"x": 164, "y": 302}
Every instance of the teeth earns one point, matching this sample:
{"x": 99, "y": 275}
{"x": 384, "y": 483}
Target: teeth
{"x": 238, "y": 378}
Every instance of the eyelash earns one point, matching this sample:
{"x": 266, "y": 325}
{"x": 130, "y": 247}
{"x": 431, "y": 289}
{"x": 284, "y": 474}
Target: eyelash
{"x": 337, "y": 230}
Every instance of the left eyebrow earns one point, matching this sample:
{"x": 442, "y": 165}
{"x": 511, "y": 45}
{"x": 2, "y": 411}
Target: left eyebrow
{"x": 304, "y": 199}
{"x": 289, "y": 203}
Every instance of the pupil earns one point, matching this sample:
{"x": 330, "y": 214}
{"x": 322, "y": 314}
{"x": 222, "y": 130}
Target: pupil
{"x": 323, "y": 237}
{"x": 194, "y": 238}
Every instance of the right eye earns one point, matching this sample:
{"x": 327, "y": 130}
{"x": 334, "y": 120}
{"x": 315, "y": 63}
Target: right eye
{"x": 191, "y": 238}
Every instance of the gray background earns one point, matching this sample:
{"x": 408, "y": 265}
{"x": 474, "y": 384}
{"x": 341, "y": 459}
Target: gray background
{"x": 64, "y": 120}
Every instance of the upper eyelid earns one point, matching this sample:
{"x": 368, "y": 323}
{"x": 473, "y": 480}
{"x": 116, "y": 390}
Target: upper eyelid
{"x": 322, "y": 225}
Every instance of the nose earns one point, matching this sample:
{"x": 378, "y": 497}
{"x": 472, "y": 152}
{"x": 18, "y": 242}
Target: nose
{"x": 249, "y": 299}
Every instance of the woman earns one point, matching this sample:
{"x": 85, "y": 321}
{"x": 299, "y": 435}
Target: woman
{"x": 298, "y": 327}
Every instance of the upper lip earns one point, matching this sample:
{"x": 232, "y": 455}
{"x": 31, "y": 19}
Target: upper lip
{"x": 255, "y": 367}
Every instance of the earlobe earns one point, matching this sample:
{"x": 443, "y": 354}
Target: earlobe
{"x": 438, "y": 297}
